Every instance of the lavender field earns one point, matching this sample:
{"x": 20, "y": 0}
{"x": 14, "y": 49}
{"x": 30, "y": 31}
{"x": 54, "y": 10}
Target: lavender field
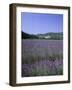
{"x": 42, "y": 57}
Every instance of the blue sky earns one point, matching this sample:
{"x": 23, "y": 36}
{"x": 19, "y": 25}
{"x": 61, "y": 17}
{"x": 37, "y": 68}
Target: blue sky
{"x": 36, "y": 23}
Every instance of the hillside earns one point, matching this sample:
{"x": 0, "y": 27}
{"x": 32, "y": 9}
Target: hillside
{"x": 56, "y": 36}
{"x": 26, "y": 36}
{"x": 49, "y": 36}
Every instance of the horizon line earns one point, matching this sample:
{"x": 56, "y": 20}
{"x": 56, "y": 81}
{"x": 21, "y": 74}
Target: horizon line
{"x": 41, "y": 33}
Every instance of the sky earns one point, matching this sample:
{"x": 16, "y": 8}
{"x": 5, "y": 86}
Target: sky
{"x": 36, "y": 23}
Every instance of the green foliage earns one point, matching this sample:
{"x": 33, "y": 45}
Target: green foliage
{"x": 26, "y": 36}
{"x": 53, "y": 36}
{"x": 60, "y": 69}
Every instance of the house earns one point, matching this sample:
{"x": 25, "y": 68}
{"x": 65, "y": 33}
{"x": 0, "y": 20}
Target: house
{"x": 46, "y": 37}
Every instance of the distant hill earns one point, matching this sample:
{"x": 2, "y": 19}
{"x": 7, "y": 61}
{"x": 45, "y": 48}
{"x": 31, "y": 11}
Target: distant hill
{"x": 49, "y": 36}
{"x": 26, "y": 36}
{"x": 56, "y": 36}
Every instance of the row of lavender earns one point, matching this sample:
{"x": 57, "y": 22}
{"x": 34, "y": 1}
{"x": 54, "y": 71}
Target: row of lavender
{"x": 42, "y": 57}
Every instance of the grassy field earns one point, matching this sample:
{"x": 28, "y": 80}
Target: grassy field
{"x": 42, "y": 57}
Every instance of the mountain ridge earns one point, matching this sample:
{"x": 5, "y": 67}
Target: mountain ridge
{"x": 50, "y": 35}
